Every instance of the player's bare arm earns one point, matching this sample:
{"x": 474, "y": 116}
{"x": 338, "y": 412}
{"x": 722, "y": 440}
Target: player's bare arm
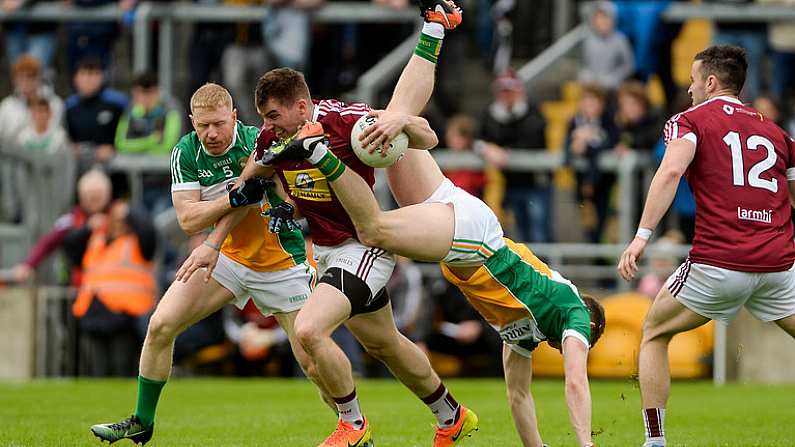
{"x": 678, "y": 156}
{"x": 206, "y": 254}
{"x": 195, "y": 215}
{"x": 518, "y": 375}
{"x": 391, "y": 123}
{"x": 792, "y": 192}
{"x": 578, "y": 395}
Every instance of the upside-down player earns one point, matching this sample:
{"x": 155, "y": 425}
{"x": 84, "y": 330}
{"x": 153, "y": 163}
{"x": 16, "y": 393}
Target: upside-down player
{"x": 520, "y": 296}
{"x": 351, "y": 289}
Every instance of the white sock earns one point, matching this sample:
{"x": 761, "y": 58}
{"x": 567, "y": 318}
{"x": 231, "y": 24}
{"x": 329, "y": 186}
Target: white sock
{"x": 433, "y": 29}
{"x": 318, "y": 153}
{"x": 654, "y": 423}
{"x": 443, "y": 406}
{"x": 349, "y": 411}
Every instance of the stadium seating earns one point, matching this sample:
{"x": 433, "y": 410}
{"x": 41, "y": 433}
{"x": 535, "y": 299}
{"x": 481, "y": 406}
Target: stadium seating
{"x": 616, "y": 354}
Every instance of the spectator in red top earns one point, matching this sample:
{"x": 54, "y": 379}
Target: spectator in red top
{"x": 94, "y": 194}
{"x": 460, "y": 136}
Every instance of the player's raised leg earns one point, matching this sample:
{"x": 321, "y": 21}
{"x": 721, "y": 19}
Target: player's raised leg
{"x": 325, "y": 311}
{"x": 666, "y": 318}
{"x": 416, "y": 82}
{"x": 376, "y": 331}
{"x": 403, "y": 231}
{"x": 182, "y": 305}
{"x": 414, "y": 178}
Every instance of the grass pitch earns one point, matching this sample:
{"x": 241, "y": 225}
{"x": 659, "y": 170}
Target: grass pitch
{"x": 268, "y": 412}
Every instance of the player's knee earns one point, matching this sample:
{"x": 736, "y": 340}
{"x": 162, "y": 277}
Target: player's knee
{"x": 653, "y": 332}
{"x": 161, "y": 329}
{"x": 373, "y": 232}
{"x": 308, "y": 336}
{"x": 370, "y": 235}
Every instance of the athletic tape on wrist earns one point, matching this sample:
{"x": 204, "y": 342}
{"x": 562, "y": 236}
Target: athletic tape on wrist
{"x": 643, "y": 233}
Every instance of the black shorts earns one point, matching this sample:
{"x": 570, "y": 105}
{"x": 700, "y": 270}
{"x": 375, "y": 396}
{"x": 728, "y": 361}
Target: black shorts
{"x": 356, "y": 290}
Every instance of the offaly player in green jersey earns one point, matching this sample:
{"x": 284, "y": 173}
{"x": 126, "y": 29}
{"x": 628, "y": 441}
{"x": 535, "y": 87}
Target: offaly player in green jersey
{"x": 270, "y": 268}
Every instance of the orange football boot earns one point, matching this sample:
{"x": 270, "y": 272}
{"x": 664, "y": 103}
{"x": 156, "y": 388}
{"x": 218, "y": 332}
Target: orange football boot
{"x": 450, "y": 436}
{"x": 347, "y": 436}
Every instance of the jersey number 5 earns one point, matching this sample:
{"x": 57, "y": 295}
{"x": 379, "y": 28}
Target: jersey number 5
{"x": 228, "y": 172}
{"x": 732, "y": 139}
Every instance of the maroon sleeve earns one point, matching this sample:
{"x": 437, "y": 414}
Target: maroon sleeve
{"x": 52, "y": 240}
{"x": 46, "y": 245}
{"x": 264, "y": 140}
{"x": 680, "y": 126}
{"x": 791, "y": 154}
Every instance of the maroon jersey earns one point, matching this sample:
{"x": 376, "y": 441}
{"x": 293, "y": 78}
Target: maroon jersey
{"x": 739, "y": 177}
{"x": 328, "y": 221}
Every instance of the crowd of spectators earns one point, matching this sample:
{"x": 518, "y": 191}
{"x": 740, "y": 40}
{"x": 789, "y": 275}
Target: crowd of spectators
{"x": 626, "y": 45}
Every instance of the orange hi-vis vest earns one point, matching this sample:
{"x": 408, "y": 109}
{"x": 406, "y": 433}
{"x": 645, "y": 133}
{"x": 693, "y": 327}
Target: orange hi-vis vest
{"x": 117, "y": 274}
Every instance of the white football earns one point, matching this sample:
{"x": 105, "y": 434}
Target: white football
{"x": 394, "y": 150}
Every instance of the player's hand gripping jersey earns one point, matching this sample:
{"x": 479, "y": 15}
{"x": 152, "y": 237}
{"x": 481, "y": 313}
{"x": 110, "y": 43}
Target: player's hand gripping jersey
{"x": 739, "y": 178}
{"x": 305, "y": 184}
{"x": 249, "y": 243}
{"x": 525, "y": 300}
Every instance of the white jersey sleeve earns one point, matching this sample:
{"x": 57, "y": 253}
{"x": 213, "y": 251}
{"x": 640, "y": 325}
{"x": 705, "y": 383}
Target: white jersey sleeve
{"x": 184, "y": 170}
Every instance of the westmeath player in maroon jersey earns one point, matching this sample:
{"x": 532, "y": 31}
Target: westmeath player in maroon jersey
{"x": 351, "y": 289}
{"x": 740, "y": 166}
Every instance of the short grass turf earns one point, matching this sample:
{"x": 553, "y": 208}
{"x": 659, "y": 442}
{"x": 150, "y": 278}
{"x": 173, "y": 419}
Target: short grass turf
{"x": 268, "y": 412}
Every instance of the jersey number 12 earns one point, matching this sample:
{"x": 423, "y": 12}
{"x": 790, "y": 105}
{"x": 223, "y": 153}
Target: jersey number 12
{"x": 732, "y": 139}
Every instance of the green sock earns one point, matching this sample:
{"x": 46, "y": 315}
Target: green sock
{"x": 330, "y": 166}
{"x": 148, "y": 394}
{"x": 428, "y": 48}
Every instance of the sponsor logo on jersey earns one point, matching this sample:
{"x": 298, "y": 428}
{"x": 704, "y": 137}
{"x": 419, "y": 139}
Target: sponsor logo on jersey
{"x": 242, "y": 162}
{"x": 308, "y": 184}
{"x": 222, "y": 163}
{"x": 205, "y": 173}
{"x": 764, "y": 216}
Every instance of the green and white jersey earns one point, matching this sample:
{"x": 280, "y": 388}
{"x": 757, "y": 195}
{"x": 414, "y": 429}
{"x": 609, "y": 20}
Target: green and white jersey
{"x": 249, "y": 243}
{"x": 525, "y": 300}
{"x": 193, "y": 168}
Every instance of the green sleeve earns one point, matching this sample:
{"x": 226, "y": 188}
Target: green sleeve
{"x": 184, "y": 170}
{"x": 154, "y": 144}
{"x": 121, "y": 133}
{"x": 578, "y": 324}
{"x": 171, "y": 132}
{"x": 250, "y": 134}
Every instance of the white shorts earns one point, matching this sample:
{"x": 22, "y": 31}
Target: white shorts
{"x": 281, "y": 291}
{"x": 478, "y": 233}
{"x": 719, "y": 293}
{"x": 372, "y": 265}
